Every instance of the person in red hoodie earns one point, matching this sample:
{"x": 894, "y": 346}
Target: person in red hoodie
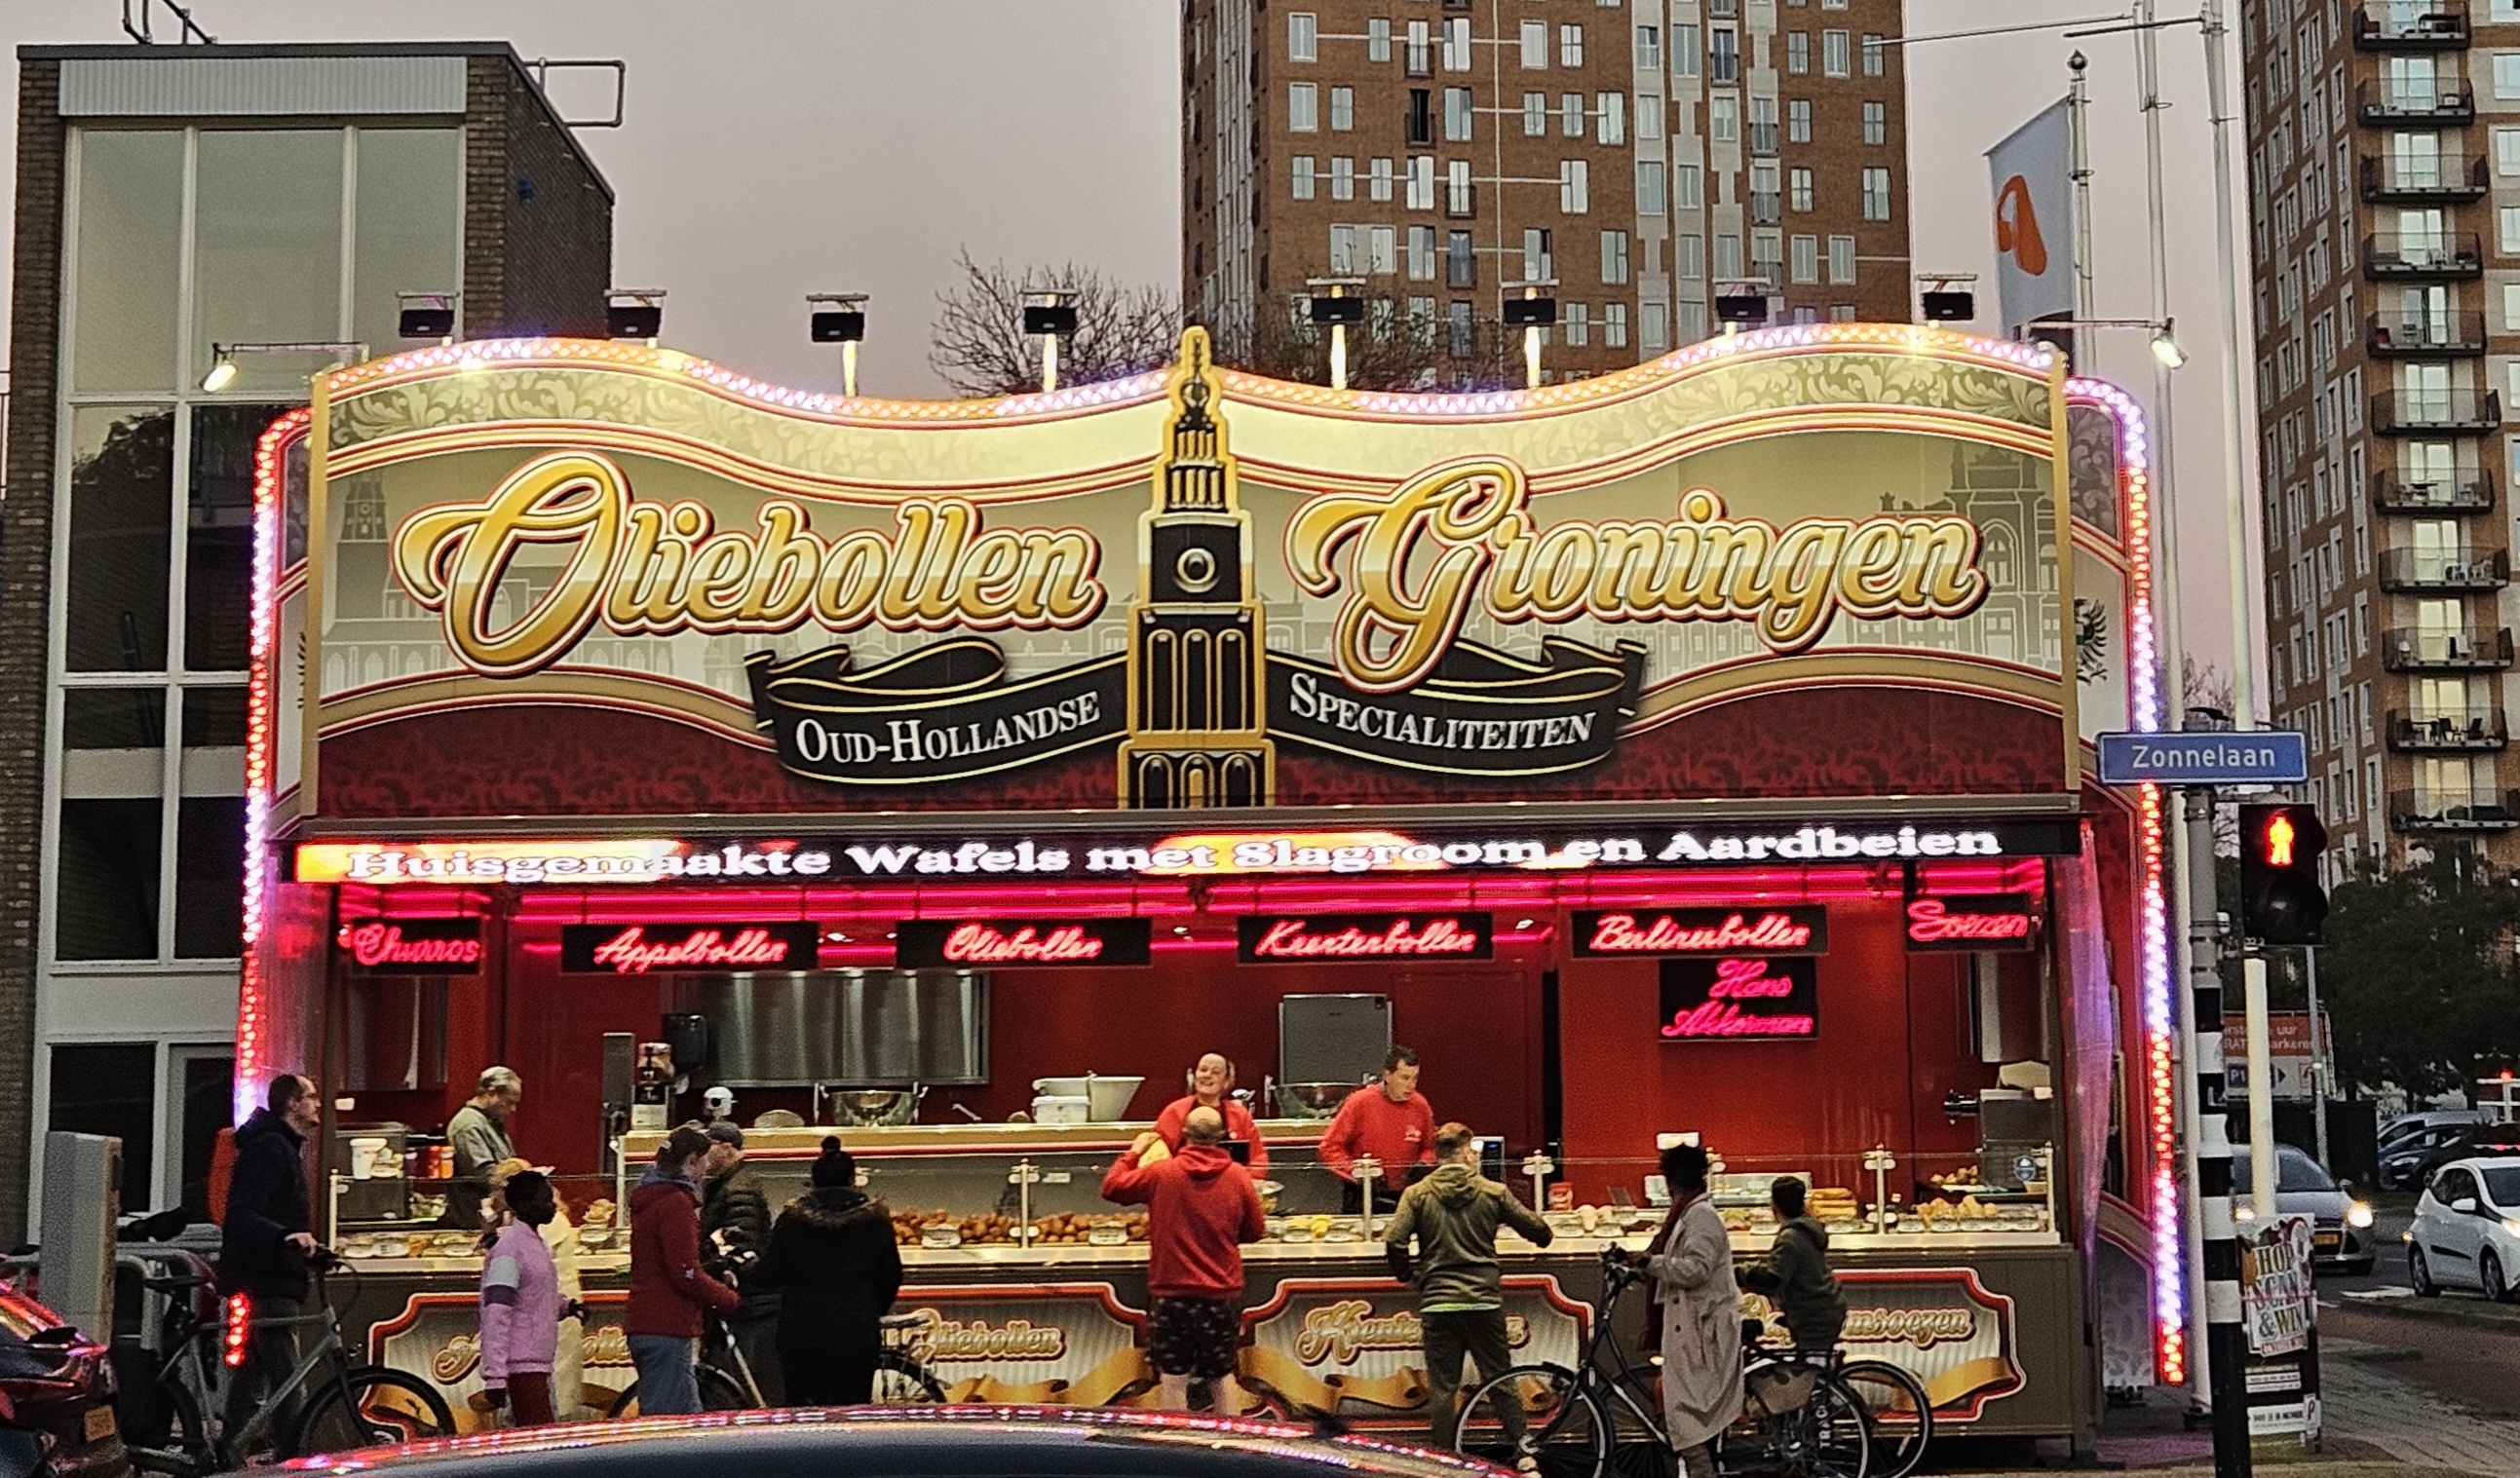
{"x": 1390, "y": 1121}
{"x": 1200, "y": 1209}
{"x": 1212, "y": 1082}
{"x": 668, "y": 1291}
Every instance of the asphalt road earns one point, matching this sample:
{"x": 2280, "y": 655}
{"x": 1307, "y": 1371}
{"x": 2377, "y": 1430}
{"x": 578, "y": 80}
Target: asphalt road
{"x": 2456, "y": 1346}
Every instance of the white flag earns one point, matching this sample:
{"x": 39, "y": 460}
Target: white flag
{"x": 2034, "y": 217}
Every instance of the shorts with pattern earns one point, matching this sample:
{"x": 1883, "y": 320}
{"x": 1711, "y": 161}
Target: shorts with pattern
{"x": 1195, "y": 1337}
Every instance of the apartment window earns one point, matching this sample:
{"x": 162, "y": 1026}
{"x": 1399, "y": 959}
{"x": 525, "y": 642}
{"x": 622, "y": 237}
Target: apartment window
{"x": 1535, "y": 46}
{"x": 1303, "y": 181}
{"x": 1649, "y": 187}
{"x": 1653, "y": 335}
{"x": 1723, "y": 117}
{"x": 2506, "y": 74}
{"x": 1343, "y": 250}
{"x": 1570, "y": 114}
{"x": 1539, "y": 255}
{"x": 1876, "y": 193}
{"x": 1684, "y": 51}
{"x": 1688, "y": 320}
{"x": 1464, "y": 330}
{"x": 1723, "y": 56}
{"x": 1648, "y": 115}
{"x": 1378, "y": 39}
{"x": 1688, "y": 256}
{"x": 1303, "y": 108}
{"x": 1874, "y": 53}
{"x": 1574, "y": 186}
{"x": 1614, "y": 324}
{"x": 1686, "y": 194}
{"x": 1342, "y": 108}
{"x": 1421, "y": 321}
{"x": 1764, "y": 204}
{"x": 1421, "y": 253}
{"x": 1461, "y": 263}
{"x": 1456, "y": 114}
{"x": 1798, "y": 120}
{"x": 1422, "y": 183}
{"x": 1614, "y": 258}
{"x": 2506, "y": 236}
{"x": 1648, "y": 49}
{"x": 1841, "y": 261}
{"x": 1535, "y": 115}
{"x": 1876, "y": 124}
{"x": 2506, "y": 150}
{"x": 1833, "y": 53}
{"x": 1378, "y": 180}
{"x": 1805, "y": 260}
{"x": 1419, "y": 60}
{"x": 1342, "y": 178}
{"x": 1379, "y": 320}
{"x": 1457, "y": 187}
{"x": 1303, "y": 37}
{"x": 1381, "y": 250}
{"x": 1421, "y": 117}
{"x": 1577, "y": 321}
{"x": 1768, "y": 258}
{"x": 1797, "y": 52}
{"x": 1798, "y": 189}
{"x": 1570, "y": 46}
{"x": 1456, "y": 44}
{"x": 1728, "y": 256}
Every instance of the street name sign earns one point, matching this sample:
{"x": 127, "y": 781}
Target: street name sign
{"x": 2212, "y": 757}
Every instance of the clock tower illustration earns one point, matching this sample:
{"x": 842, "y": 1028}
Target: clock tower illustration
{"x": 1197, "y": 736}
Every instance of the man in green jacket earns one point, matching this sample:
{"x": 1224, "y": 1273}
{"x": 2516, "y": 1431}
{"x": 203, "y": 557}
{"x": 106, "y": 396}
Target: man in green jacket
{"x": 1454, "y": 1214}
{"x": 1795, "y": 1275}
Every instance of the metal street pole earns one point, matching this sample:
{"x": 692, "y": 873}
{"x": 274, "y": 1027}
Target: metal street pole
{"x": 2318, "y": 1054}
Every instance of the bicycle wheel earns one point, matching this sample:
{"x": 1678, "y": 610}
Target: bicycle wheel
{"x": 1901, "y": 1412}
{"x": 183, "y": 1449}
{"x": 371, "y": 1406}
{"x": 901, "y": 1381}
{"x": 1565, "y": 1431}
{"x": 1833, "y": 1437}
{"x": 718, "y": 1393}
{"x": 1637, "y": 1446}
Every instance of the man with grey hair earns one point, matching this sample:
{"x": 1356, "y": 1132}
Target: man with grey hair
{"x": 478, "y": 1136}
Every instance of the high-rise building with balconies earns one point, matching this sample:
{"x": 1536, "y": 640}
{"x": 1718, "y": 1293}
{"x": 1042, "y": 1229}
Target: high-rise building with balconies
{"x": 1644, "y": 157}
{"x": 2384, "y": 175}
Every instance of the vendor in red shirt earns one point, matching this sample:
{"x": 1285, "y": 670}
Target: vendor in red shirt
{"x": 1388, "y": 1121}
{"x": 1211, "y": 1086}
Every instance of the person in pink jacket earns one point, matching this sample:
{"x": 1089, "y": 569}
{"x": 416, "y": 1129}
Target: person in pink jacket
{"x": 521, "y": 1307}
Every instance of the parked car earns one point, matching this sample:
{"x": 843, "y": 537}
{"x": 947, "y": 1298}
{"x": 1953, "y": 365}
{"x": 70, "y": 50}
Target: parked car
{"x": 2340, "y": 1227}
{"x": 2402, "y": 1159}
{"x": 2402, "y": 1125}
{"x": 945, "y": 1442}
{"x": 56, "y": 1396}
{"x": 2468, "y": 1229}
{"x": 2473, "y": 1141}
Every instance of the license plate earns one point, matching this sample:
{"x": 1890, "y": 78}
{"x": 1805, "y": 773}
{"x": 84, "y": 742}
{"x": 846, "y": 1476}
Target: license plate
{"x": 100, "y": 1424}
{"x": 2327, "y": 1239}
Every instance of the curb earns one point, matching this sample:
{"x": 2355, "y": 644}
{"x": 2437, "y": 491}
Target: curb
{"x": 2431, "y": 1311}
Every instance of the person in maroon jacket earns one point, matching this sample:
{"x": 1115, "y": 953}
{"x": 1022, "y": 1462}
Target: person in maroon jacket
{"x": 1389, "y": 1121}
{"x": 668, "y": 1291}
{"x": 1200, "y": 1209}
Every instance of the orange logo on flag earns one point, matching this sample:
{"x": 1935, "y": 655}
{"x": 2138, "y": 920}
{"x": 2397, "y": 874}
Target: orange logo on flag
{"x": 2018, "y": 231}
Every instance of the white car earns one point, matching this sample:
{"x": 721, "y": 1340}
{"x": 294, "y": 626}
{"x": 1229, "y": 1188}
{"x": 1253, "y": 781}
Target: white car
{"x": 2467, "y": 1230}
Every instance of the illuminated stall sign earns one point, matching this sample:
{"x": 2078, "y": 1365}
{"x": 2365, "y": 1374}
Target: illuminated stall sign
{"x": 1290, "y": 938}
{"x": 1970, "y": 922}
{"x": 1702, "y": 932}
{"x": 640, "y": 949}
{"x": 1023, "y": 943}
{"x": 411, "y": 946}
{"x": 1741, "y": 998}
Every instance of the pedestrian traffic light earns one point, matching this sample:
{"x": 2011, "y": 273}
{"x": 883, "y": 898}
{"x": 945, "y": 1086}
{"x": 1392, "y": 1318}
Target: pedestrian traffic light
{"x": 2281, "y": 901}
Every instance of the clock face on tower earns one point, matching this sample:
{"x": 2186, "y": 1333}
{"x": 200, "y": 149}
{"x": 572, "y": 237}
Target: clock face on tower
{"x": 1194, "y": 562}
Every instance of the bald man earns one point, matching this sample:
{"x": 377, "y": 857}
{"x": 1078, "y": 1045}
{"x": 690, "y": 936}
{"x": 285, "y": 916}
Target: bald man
{"x": 1200, "y": 1209}
{"x": 1211, "y": 1086}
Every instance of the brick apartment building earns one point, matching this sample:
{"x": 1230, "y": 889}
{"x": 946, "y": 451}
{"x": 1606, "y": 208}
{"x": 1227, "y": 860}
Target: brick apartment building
{"x": 2384, "y": 172}
{"x": 1645, "y": 155}
{"x": 169, "y": 198}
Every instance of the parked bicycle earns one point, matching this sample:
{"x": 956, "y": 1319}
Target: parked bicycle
{"x": 901, "y": 1377}
{"x": 327, "y": 1403}
{"x": 1799, "y": 1417}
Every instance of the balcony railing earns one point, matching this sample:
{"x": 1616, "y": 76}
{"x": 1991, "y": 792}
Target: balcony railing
{"x": 2464, "y": 491}
{"x": 2416, "y": 571}
{"x": 2434, "y": 336}
{"x": 2454, "y": 810}
{"x": 2393, "y": 257}
{"x": 2420, "y": 182}
{"x": 2413, "y": 650}
{"x": 2377, "y": 103}
{"x": 2398, "y": 25}
{"x": 2454, "y": 413}
{"x": 2448, "y": 731}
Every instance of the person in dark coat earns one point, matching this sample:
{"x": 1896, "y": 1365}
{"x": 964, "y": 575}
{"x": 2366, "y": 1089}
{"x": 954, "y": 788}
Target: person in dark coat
{"x": 833, "y": 1260}
{"x": 266, "y": 1235}
{"x": 1795, "y": 1275}
{"x": 735, "y": 1230}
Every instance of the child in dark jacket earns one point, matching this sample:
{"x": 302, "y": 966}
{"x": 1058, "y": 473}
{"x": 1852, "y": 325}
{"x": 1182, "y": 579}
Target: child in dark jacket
{"x": 521, "y": 1306}
{"x": 833, "y": 1260}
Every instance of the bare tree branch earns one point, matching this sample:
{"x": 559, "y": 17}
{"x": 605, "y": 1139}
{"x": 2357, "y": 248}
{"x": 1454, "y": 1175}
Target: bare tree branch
{"x": 979, "y": 347}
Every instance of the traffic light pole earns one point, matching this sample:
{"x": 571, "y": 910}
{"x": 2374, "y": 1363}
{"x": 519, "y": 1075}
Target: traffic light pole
{"x": 2209, "y": 1149}
{"x": 2262, "y": 1096}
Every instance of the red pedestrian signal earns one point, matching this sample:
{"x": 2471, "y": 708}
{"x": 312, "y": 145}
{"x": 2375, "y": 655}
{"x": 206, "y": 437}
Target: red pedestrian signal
{"x": 2281, "y": 899}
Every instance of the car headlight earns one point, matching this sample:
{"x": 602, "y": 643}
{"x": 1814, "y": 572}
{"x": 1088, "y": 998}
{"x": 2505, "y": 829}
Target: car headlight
{"x": 2511, "y": 1225}
{"x": 2357, "y": 1214}
{"x": 2244, "y": 1213}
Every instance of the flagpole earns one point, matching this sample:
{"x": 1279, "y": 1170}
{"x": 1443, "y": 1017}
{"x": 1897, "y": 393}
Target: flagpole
{"x": 2077, "y": 104}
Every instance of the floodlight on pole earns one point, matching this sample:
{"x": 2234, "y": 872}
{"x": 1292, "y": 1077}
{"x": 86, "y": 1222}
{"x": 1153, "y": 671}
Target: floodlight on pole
{"x": 840, "y": 318}
{"x": 1051, "y": 315}
{"x": 2166, "y": 348}
{"x": 224, "y": 369}
{"x": 426, "y": 314}
{"x": 1331, "y": 304}
{"x": 1533, "y": 312}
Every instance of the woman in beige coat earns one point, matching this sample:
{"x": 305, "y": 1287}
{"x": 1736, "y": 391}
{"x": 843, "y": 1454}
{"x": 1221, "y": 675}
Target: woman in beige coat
{"x": 1691, "y": 1267}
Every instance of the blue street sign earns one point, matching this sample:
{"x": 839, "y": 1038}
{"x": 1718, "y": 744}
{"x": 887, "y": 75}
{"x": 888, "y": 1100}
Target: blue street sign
{"x": 2222, "y": 757}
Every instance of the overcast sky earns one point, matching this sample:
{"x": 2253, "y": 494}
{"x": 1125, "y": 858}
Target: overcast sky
{"x": 776, "y": 148}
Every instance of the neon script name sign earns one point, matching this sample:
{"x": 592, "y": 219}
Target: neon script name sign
{"x": 965, "y": 943}
{"x": 442, "y": 946}
{"x": 637, "y": 949}
{"x": 1980, "y": 921}
{"x": 1741, "y": 998}
{"x": 983, "y": 944}
{"x": 1704, "y": 931}
{"x": 1365, "y": 936}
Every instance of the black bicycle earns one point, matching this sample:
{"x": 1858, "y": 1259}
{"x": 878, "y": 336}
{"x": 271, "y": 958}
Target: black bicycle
{"x": 901, "y": 1377}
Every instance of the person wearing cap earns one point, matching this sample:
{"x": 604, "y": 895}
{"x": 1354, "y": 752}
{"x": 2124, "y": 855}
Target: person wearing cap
{"x": 735, "y": 1230}
{"x": 834, "y": 1266}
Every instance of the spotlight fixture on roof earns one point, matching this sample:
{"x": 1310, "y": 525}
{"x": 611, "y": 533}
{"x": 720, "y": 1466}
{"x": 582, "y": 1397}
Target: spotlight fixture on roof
{"x": 1533, "y": 312}
{"x": 840, "y": 318}
{"x": 634, "y": 313}
{"x": 426, "y": 315}
{"x": 1741, "y": 309}
{"x": 224, "y": 368}
{"x": 1048, "y": 315}
{"x": 1337, "y": 303}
